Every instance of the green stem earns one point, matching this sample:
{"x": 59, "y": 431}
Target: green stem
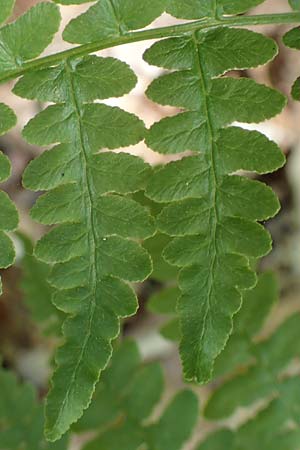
{"x": 155, "y": 33}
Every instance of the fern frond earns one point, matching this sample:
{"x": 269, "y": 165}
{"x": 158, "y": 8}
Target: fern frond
{"x": 37, "y": 292}
{"x": 24, "y": 39}
{"x": 111, "y": 18}
{"x": 94, "y": 247}
{"x": 28, "y": 36}
{"x": 262, "y": 378}
{"x": 122, "y": 403}
{"x": 197, "y": 9}
{"x": 292, "y": 40}
{"x": 126, "y": 397}
{"x": 275, "y": 427}
{"x": 21, "y": 417}
{"x": 164, "y": 303}
{"x": 212, "y": 215}
{"x": 208, "y": 218}
{"x": 256, "y": 370}
{"x": 247, "y": 324}
{"x": 8, "y": 214}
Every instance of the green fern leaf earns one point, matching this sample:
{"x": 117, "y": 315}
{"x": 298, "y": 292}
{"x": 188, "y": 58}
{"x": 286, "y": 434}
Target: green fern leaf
{"x": 275, "y": 427}
{"x": 162, "y": 270}
{"x": 261, "y": 379}
{"x": 126, "y": 397}
{"x": 28, "y": 36}
{"x": 166, "y": 433}
{"x": 296, "y": 90}
{"x": 6, "y": 9}
{"x": 92, "y": 80}
{"x": 265, "y": 375}
{"x": 295, "y": 4}
{"x": 257, "y": 303}
{"x": 190, "y": 9}
{"x": 270, "y": 425}
{"x": 37, "y": 292}
{"x": 196, "y": 9}
{"x": 208, "y": 218}
{"x": 8, "y": 213}
{"x": 238, "y": 6}
{"x": 164, "y": 303}
{"x": 107, "y": 399}
{"x": 212, "y": 215}
{"x": 7, "y": 121}
{"x": 292, "y": 39}
{"x": 21, "y": 417}
{"x": 218, "y": 441}
{"x": 94, "y": 247}
{"x": 109, "y": 18}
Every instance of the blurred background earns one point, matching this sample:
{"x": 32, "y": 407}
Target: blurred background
{"x": 23, "y": 344}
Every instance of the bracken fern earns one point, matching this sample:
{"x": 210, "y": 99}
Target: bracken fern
{"x": 94, "y": 247}
{"x": 258, "y": 375}
{"x": 208, "y": 216}
{"x": 8, "y": 215}
{"x": 212, "y": 214}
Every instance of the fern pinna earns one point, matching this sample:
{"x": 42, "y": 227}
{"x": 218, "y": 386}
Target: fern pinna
{"x": 292, "y": 39}
{"x": 212, "y": 214}
{"x": 124, "y": 401}
{"x": 94, "y": 247}
{"x": 258, "y": 376}
{"x": 127, "y": 394}
{"x": 21, "y": 417}
{"x": 8, "y": 212}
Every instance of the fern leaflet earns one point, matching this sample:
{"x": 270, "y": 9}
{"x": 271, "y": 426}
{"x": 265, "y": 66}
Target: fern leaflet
{"x": 212, "y": 214}
{"x": 22, "y": 40}
{"x": 209, "y": 217}
{"x": 124, "y": 400}
{"x": 197, "y": 9}
{"x": 90, "y": 250}
{"x": 292, "y": 39}
{"x": 95, "y": 246}
{"x": 8, "y": 213}
{"x": 21, "y": 417}
{"x": 37, "y": 292}
{"x": 258, "y": 370}
{"x": 111, "y": 18}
